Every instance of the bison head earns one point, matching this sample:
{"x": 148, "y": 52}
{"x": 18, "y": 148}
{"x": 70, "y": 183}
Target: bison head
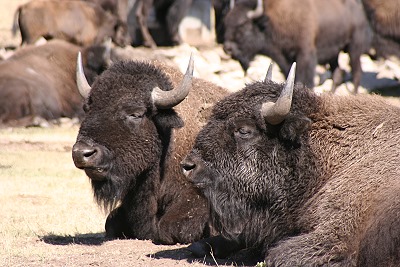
{"x": 241, "y": 160}
{"x": 244, "y": 36}
{"x": 127, "y": 126}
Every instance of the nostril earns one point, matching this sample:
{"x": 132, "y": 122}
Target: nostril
{"x": 188, "y": 166}
{"x": 89, "y": 152}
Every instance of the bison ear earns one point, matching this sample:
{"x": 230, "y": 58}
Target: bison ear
{"x": 168, "y": 119}
{"x": 293, "y": 128}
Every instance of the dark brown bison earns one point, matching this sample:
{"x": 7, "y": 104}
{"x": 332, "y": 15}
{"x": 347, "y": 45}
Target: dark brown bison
{"x": 310, "y": 180}
{"x": 384, "y": 17}
{"x": 130, "y": 144}
{"x": 78, "y": 22}
{"x": 169, "y": 13}
{"x": 308, "y": 32}
{"x": 39, "y": 81}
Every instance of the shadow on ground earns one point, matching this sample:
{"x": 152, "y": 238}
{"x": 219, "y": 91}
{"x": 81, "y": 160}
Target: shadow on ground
{"x": 242, "y": 258}
{"x": 96, "y": 239}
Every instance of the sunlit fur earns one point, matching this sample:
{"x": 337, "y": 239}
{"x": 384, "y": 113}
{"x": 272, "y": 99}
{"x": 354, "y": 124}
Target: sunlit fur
{"x": 140, "y": 154}
{"x": 317, "y": 189}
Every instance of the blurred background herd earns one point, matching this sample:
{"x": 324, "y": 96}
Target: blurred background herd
{"x": 233, "y": 43}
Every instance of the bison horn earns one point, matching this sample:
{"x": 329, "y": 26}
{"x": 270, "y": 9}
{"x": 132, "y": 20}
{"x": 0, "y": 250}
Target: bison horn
{"x": 275, "y": 113}
{"x": 168, "y": 99}
{"x": 257, "y": 12}
{"x": 231, "y": 4}
{"x": 268, "y": 77}
{"x": 83, "y": 85}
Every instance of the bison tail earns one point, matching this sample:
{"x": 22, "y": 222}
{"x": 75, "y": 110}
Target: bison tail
{"x": 15, "y": 25}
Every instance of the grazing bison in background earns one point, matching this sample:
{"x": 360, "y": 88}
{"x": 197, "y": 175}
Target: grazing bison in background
{"x": 310, "y": 180}
{"x": 384, "y": 18}
{"x": 130, "y": 144}
{"x": 78, "y": 22}
{"x": 169, "y": 13}
{"x": 308, "y": 32}
{"x": 39, "y": 81}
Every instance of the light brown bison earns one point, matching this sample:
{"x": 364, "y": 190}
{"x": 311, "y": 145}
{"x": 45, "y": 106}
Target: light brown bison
{"x": 78, "y": 22}
{"x": 310, "y": 180}
{"x": 139, "y": 123}
{"x": 39, "y": 81}
{"x": 384, "y": 18}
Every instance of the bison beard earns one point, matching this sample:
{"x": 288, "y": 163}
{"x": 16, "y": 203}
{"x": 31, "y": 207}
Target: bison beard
{"x": 312, "y": 188}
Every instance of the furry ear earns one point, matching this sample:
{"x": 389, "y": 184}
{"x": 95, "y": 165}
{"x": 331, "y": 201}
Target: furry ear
{"x": 292, "y": 129}
{"x": 168, "y": 119}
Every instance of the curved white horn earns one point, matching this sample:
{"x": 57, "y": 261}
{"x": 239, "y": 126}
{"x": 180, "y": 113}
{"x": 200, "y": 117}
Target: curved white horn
{"x": 268, "y": 77}
{"x": 275, "y": 113}
{"x": 81, "y": 82}
{"x": 168, "y": 99}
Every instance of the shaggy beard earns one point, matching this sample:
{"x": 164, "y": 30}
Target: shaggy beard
{"x": 109, "y": 193}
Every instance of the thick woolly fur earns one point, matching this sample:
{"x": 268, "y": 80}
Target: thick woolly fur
{"x": 319, "y": 189}
{"x": 141, "y": 148}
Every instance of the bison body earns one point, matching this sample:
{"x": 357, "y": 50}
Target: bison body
{"x": 78, "y": 22}
{"x": 309, "y": 32}
{"x": 168, "y": 13}
{"x": 384, "y": 18}
{"x": 311, "y": 181}
{"x": 39, "y": 81}
{"x": 130, "y": 148}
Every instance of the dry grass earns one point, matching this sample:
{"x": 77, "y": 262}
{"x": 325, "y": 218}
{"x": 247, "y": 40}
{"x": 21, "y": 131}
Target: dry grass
{"x": 41, "y": 192}
{"x": 49, "y": 218}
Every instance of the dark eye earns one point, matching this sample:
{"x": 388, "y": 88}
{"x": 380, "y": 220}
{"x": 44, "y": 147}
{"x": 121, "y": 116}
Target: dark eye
{"x": 244, "y": 132}
{"x": 85, "y": 107}
{"x": 135, "y": 117}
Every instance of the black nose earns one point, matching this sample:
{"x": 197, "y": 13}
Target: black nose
{"x": 85, "y": 155}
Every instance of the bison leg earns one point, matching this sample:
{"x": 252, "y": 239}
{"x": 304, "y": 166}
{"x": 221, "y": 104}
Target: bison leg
{"x": 142, "y": 13}
{"x": 116, "y": 225}
{"x": 176, "y": 12}
{"x": 313, "y": 249}
{"x": 306, "y": 64}
{"x": 217, "y": 246}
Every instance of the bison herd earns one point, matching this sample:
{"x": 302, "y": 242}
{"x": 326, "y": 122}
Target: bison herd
{"x": 304, "y": 179}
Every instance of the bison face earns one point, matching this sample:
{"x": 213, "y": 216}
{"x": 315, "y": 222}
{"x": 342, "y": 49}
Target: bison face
{"x": 242, "y": 161}
{"x": 124, "y": 137}
{"x": 243, "y": 38}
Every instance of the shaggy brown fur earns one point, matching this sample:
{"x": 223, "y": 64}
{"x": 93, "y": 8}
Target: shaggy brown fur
{"x": 134, "y": 169}
{"x": 318, "y": 189}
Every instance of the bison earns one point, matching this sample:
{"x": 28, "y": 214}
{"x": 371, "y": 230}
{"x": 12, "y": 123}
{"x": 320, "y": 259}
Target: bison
{"x": 39, "y": 81}
{"x": 81, "y": 23}
{"x": 130, "y": 144}
{"x": 308, "y": 32}
{"x": 169, "y": 13}
{"x": 310, "y": 180}
{"x": 384, "y": 18}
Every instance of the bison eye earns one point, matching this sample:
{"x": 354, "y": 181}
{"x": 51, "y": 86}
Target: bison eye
{"x": 135, "y": 117}
{"x": 244, "y": 132}
{"x": 86, "y": 107}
